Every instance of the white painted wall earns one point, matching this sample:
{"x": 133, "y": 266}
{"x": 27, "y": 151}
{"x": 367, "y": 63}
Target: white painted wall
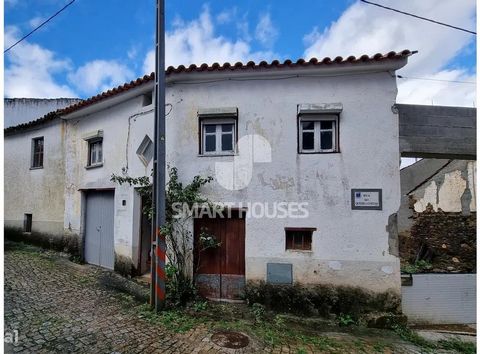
{"x": 356, "y": 241}
{"x": 441, "y": 299}
{"x": 35, "y": 191}
{"x": 114, "y": 122}
{"x": 350, "y": 247}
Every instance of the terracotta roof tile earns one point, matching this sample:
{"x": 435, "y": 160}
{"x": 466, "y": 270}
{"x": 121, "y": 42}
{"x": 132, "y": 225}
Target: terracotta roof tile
{"x": 214, "y": 67}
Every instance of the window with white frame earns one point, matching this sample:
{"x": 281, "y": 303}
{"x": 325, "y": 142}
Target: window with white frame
{"x": 145, "y": 150}
{"x": 218, "y": 136}
{"x": 95, "y": 152}
{"x": 318, "y": 133}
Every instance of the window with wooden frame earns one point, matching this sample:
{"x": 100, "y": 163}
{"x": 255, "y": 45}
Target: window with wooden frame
{"x": 37, "y": 152}
{"x": 218, "y": 136}
{"x": 318, "y": 134}
{"x": 298, "y": 238}
{"x": 95, "y": 152}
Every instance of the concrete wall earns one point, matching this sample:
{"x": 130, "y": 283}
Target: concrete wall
{"x": 440, "y": 132}
{"x": 349, "y": 246}
{"x": 36, "y": 191}
{"x": 22, "y": 110}
{"x": 441, "y": 298}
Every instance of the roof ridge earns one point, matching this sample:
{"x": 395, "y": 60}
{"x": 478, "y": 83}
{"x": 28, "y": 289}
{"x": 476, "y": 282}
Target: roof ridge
{"x": 392, "y": 55}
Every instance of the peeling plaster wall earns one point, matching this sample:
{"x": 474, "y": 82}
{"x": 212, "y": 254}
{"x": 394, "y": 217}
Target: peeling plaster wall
{"x": 117, "y": 124}
{"x": 35, "y": 191}
{"x": 452, "y": 189}
{"x": 349, "y": 246}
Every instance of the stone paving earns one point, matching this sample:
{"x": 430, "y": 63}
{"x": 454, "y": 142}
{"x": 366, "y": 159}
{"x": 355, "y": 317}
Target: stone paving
{"x": 58, "y": 307}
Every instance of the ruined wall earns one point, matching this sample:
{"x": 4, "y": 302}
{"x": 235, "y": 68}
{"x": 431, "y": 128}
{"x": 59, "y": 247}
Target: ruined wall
{"x": 447, "y": 240}
{"x": 350, "y": 246}
{"x": 452, "y": 189}
{"x": 35, "y": 191}
{"x": 410, "y": 178}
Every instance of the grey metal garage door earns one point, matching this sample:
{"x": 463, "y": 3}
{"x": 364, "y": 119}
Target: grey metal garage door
{"x": 99, "y": 229}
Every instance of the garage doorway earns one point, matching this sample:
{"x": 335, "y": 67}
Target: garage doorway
{"x": 99, "y": 213}
{"x": 220, "y": 272}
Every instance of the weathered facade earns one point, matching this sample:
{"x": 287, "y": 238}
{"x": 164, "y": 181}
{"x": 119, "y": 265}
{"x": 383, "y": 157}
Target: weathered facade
{"x": 437, "y": 218}
{"x": 326, "y": 129}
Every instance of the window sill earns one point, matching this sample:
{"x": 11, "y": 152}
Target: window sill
{"x": 300, "y": 251}
{"x": 36, "y": 168}
{"x": 89, "y": 167}
{"x": 216, "y": 155}
{"x": 318, "y": 152}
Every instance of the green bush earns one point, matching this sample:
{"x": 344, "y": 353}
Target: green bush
{"x": 323, "y": 300}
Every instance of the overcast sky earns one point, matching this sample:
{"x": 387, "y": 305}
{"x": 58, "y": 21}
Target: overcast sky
{"x": 95, "y": 45}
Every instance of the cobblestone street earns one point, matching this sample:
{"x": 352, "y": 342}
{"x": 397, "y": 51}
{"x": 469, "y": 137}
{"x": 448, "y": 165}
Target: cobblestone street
{"x": 56, "y": 307}
{"x": 59, "y": 306}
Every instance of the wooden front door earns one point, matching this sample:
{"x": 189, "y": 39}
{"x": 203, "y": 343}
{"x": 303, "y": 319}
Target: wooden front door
{"x": 220, "y": 272}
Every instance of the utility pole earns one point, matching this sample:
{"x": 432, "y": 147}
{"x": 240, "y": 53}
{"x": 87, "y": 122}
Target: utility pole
{"x": 157, "y": 283}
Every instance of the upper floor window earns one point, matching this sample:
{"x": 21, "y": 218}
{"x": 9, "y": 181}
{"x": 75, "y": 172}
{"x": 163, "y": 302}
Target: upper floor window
{"x": 318, "y": 134}
{"x": 37, "y": 152}
{"x": 218, "y": 130}
{"x": 318, "y": 127}
{"x": 95, "y": 152}
{"x": 218, "y": 136}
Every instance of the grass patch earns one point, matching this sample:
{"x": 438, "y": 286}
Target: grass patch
{"x": 411, "y": 336}
{"x": 174, "y": 320}
{"x": 458, "y": 345}
{"x": 429, "y": 346}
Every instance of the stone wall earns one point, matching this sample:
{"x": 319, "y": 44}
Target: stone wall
{"x": 446, "y": 239}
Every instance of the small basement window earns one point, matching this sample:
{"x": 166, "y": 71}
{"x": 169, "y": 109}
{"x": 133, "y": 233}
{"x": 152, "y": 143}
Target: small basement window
{"x": 218, "y": 136}
{"x": 298, "y": 238}
{"x": 37, "y": 152}
{"x": 95, "y": 152}
{"x": 145, "y": 150}
{"x": 27, "y": 223}
{"x": 318, "y": 134}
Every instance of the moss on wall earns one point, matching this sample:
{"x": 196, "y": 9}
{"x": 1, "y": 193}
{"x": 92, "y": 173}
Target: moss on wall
{"x": 322, "y": 300}
{"x": 65, "y": 243}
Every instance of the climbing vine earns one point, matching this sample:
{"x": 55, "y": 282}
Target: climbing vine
{"x": 180, "y": 285}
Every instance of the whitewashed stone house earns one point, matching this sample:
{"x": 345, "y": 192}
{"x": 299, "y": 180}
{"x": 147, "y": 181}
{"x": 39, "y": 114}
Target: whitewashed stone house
{"x": 329, "y": 140}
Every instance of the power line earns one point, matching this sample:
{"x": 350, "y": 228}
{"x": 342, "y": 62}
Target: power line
{"x": 427, "y": 79}
{"x": 419, "y": 17}
{"x": 38, "y": 27}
